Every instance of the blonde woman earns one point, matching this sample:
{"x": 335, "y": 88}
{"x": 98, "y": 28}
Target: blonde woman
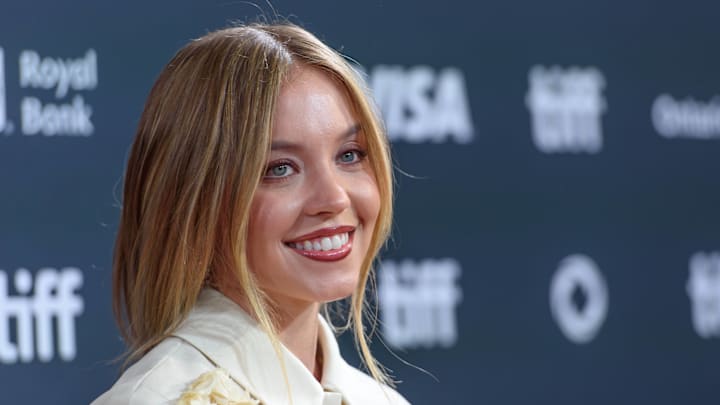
{"x": 258, "y": 189}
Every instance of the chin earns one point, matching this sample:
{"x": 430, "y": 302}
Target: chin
{"x": 337, "y": 291}
{"x": 337, "y": 297}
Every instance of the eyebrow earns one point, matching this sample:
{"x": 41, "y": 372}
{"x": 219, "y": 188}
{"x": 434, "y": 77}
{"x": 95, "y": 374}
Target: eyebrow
{"x": 284, "y": 145}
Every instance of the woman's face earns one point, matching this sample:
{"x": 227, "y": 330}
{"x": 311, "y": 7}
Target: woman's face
{"x": 314, "y": 212}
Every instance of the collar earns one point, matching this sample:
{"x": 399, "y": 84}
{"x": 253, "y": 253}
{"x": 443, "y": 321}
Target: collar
{"x": 232, "y": 340}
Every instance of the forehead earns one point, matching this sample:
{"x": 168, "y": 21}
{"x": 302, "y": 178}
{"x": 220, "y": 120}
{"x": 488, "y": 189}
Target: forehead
{"x": 311, "y": 102}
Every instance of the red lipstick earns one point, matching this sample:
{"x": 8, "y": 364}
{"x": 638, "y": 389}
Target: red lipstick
{"x": 326, "y": 244}
{"x": 324, "y": 232}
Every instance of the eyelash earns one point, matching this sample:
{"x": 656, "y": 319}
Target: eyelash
{"x": 276, "y": 164}
{"x": 360, "y": 155}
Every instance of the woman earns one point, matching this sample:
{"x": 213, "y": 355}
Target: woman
{"x": 258, "y": 188}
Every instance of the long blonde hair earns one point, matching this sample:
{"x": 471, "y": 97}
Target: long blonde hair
{"x": 197, "y": 159}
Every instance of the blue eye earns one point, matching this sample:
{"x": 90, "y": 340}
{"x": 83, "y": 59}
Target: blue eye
{"x": 348, "y": 157}
{"x": 279, "y": 170}
{"x": 351, "y": 156}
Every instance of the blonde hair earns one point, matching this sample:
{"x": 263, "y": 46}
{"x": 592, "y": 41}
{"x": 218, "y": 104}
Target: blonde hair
{"x": 197, "y": 159}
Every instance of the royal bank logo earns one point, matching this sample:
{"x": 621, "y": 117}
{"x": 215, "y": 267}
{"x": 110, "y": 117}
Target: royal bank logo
{"x": 42, "y": 311}
{"x": 566, "y": 106}
{"x": 703, "y": 288}
{"x": 578, "y": 298}
{"x": 66, "y": 117}
{"x": 418, "y": 302}
{"x": 65, "y": 111}
{"x": 422, "y": 104}
{"x": 687, "y": 118}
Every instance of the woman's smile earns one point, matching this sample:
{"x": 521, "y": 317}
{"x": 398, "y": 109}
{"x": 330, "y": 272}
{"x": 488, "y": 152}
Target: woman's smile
{"x": 326, "y": 244}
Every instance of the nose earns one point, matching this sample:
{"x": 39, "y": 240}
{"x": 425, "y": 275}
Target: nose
{"x": 327, "y": 194}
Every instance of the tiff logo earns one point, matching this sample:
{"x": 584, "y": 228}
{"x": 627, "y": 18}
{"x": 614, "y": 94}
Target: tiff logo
{"x": 566, "y": 105}
{"x": 3, "y": 109}
{"x": 418, "y": 301}
{"x": 703, "y": 288}
{"x": 53, "y": 297}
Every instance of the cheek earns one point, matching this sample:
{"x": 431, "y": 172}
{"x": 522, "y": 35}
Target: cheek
{"x": 271, "y": 217}
{"x": 367, "y": 200}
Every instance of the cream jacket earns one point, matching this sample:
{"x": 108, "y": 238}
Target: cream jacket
{"x": 219, "y": 334}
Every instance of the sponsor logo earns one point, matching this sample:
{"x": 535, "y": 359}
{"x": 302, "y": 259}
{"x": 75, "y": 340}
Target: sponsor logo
{"x": 31, "y": 311}
{"x": 566, "y": 107}
{"x": 418, "y": 302}
{"x": 420, "y": 104}
{"x": 53, "y": 119}
{"x": 686, "y": 118}
{"x": 703, "y": 288}
{"x": 64, "y": 114}
{"x": 61, "y": 75}
{"x": 578, "y": 298}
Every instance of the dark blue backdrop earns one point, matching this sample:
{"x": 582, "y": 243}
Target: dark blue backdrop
{"x": 556, "y": 231}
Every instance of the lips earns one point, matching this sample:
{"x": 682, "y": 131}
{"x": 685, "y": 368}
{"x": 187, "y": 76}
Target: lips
{"x": 327, "y": 244}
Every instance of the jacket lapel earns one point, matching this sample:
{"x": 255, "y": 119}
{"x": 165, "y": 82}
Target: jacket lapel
{"x": 232, "y": 340}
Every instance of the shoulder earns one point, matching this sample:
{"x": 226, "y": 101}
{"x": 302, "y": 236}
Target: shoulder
{"x": 159, "y": 377}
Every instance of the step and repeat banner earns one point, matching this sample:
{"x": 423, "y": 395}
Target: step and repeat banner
{"x": 556, "y": 238}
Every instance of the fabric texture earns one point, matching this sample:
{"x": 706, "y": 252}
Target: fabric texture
{"x": 219, "y": 334}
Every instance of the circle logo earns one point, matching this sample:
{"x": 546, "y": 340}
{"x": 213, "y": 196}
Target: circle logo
{"x": 578, "y": 298}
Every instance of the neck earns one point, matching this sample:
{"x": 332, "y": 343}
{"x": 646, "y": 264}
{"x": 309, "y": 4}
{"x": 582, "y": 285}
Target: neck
{"x": 297, "y": 328}
{"x": 298, "y": 331}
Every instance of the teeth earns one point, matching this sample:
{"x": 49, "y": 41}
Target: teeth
{"x": 336, "y": 242}
{"x": 323, "y": 244}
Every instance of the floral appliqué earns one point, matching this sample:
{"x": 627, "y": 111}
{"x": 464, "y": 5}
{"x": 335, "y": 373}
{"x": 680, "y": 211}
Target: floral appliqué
{"x": 215, "y": 388}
